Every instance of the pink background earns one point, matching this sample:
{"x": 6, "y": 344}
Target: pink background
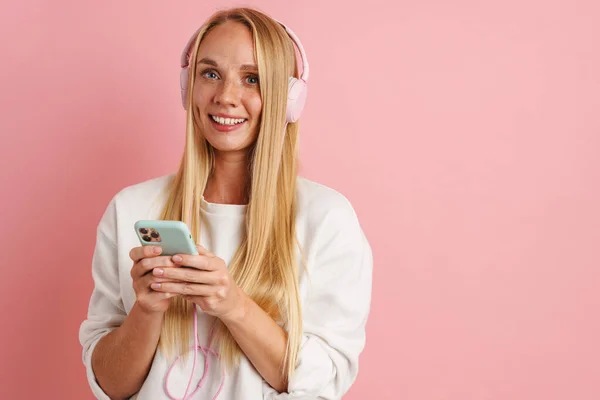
{"x": 467, "y": 137}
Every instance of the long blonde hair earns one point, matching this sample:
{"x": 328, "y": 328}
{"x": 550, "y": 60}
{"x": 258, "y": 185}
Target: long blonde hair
{"x": 265, "y": 264}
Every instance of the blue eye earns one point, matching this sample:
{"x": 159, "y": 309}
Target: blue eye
{"x": 252, "y": 80}
{"x": 210, "y": 74}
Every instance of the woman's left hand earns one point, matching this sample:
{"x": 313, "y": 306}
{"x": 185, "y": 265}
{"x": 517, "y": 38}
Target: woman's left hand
{"x": 205, "y": 281}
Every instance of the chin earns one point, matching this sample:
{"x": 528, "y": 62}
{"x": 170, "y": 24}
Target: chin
{"x": 227, "y": 142}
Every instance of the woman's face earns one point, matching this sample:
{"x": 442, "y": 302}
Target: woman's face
{"x": 226, "y": 92}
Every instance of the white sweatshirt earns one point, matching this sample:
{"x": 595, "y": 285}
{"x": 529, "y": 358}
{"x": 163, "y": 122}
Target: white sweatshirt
{"x": 335, "y": 295}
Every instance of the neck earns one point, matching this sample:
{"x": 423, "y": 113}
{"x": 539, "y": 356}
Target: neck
{"x": 228, "y": 182}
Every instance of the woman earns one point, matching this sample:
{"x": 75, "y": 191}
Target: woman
{"x": 280, "y": 292}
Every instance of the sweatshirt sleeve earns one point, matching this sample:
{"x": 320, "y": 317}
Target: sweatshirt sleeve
{"x": 335, "y": 311}
{"x": 106, "y": 311}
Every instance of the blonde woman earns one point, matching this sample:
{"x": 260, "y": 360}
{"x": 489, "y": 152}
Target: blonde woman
{"x": 275, "y": 304}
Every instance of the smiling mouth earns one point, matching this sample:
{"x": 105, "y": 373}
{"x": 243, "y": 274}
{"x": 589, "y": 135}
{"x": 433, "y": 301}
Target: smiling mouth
{"x": 227, "y": 121}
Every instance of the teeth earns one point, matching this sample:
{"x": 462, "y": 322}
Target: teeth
{"x": 227, "y": 121}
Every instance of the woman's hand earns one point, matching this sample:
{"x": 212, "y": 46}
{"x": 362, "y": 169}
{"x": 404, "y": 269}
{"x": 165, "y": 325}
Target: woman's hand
{"x": 204, "y": 280}
{"x": 145, "y": 259}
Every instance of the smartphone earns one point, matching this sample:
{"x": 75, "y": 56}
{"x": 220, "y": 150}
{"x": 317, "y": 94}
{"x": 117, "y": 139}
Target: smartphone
{"x": 173, "y": 237}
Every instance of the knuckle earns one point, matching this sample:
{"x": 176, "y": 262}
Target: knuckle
{"x": 210, "y": 263}
{"x": 146, "y": 263}
{"x": 161, "y": 260}
{"x": 222, "y": 280}
{"x": 188, "y": 276}
{"x": 211, "y": 303}
{"x": 187, "y": 288}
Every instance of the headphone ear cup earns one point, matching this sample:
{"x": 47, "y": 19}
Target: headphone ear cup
{"x": 297, "y": 90}
{"x": 183, "y": 81}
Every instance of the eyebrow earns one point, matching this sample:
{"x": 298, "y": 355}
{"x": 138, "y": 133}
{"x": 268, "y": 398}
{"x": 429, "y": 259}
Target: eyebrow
{"x": 245, "y": 67}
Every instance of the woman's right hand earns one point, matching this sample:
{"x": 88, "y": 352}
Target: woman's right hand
{"x": 145, "y": 259}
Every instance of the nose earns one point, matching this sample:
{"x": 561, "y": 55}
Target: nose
{"x": 228, "y": 93}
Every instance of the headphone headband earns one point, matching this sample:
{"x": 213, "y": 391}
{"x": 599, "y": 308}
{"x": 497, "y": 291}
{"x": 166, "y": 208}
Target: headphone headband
{"x": 304, "y": 60}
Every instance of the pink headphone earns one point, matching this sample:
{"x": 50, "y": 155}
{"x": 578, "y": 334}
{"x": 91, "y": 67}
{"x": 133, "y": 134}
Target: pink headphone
{"x": 297, "y": 88}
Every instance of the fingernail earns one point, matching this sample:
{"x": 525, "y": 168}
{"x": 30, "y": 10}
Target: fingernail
{"x": 177, "y": 259}
{"x": 155, "y": 286}
{"x": 158, "y": 271}
{"x": 156, "y": 250}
